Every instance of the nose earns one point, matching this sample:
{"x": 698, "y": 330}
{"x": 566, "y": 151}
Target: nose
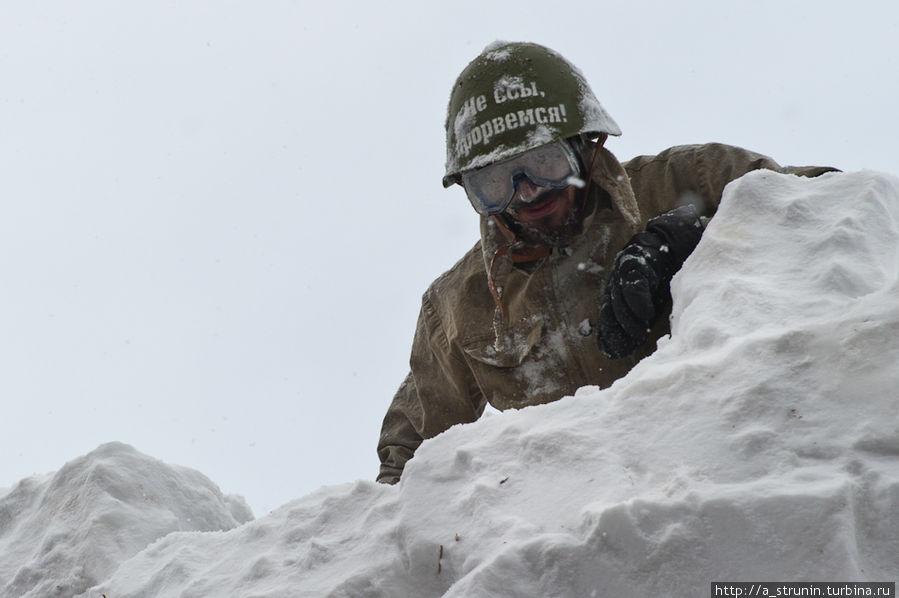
{"x": 527, "y": 191}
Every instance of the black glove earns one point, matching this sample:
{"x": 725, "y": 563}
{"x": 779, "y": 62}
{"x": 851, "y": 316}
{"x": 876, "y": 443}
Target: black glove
{"x": 638, "y": 289}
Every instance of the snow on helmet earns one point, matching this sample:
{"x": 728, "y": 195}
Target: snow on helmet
{"x": 514, "y": 97}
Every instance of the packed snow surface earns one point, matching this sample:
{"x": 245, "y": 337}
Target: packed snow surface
{"x": 760, "y": 442}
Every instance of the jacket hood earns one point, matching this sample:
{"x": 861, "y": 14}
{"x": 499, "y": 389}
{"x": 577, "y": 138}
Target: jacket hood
{"x": 608, "y": 175}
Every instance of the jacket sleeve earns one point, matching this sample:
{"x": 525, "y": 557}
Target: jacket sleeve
{"x": 439, "y": 392}
{"x": 697, "y": 174}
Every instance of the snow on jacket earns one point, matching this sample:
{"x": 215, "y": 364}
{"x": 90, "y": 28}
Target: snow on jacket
{"x": 545, "y": 347}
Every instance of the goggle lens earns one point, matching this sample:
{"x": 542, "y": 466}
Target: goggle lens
{"x": 491, "y": 189}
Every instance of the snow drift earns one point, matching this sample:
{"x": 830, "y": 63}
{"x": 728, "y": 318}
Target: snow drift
{"x": 60, "y": 534}
{"x": 760, "y": 442}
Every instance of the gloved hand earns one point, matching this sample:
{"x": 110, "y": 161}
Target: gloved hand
{"x": 638, "y": 290}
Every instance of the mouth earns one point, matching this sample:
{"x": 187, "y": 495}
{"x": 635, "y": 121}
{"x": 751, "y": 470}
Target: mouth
{"x": 540, "y": 208}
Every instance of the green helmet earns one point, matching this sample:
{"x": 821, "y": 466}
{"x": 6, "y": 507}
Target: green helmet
{"x": 514, "y": 97}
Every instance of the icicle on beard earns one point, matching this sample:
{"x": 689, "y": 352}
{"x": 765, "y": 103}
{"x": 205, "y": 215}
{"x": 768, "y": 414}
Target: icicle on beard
{"x": 544, "y": 232}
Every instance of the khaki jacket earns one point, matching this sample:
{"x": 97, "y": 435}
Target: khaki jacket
{"x": 545, "y": 347}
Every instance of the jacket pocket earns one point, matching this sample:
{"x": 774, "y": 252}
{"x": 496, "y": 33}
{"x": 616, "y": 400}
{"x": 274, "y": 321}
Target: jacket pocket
{"x": 510, "y": 349}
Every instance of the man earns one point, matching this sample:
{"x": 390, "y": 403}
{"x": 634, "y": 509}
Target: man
{"x": 569, "y": 284}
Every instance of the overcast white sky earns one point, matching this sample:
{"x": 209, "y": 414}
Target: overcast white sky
{"x": 217, "y": 218}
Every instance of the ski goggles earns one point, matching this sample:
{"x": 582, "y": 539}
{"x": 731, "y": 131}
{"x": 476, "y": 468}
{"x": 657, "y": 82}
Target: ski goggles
{"x": 491, "y": 189}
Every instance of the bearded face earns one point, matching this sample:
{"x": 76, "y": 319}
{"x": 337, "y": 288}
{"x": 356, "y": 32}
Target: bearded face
{"x": 540, "y": 216}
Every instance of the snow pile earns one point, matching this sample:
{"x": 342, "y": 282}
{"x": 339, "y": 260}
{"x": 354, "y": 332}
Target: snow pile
{"x": 62, "y": 534}
{"x": 759, "y": 443}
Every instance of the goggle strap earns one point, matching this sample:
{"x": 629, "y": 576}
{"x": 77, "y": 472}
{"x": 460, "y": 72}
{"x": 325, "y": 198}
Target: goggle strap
{"x": 593, "y": 160}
